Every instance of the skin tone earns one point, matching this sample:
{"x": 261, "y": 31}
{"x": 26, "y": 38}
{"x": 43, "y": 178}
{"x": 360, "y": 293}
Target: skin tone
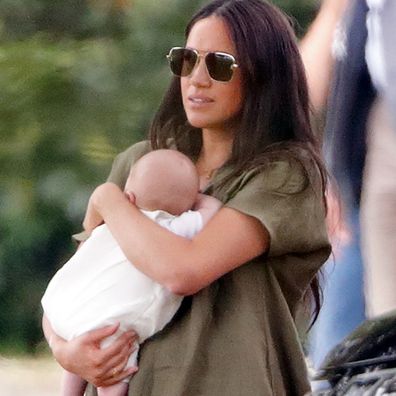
{"x": 183, "y": 266}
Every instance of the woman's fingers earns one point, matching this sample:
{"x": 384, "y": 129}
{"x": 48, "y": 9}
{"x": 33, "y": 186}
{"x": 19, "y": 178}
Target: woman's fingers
{"x": 98, "y": 335}
{"x": 117, "y": 354}
{"x": 114, "y": 370}
{"x": 105, "y": 366}
{"x": 93, "y": 367}
{"x": 116, "y": 357}
{"x": 118, "y": 371}
{"x": 117, "y": 376}
{"x": 125, "y": 340}
{"x": 119, "y": 358}
{"x": 112, "y": 360}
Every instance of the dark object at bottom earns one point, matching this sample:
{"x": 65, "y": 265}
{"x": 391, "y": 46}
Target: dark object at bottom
{"x": 364, "y": 363}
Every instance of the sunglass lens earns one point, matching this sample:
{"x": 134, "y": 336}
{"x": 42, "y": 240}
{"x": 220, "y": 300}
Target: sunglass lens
{"x": 182, "y": 61}
{"x": 219, "y": 66}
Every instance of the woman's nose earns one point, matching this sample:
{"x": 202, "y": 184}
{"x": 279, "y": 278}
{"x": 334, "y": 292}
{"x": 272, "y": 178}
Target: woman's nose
{"x": 200, "y": 75}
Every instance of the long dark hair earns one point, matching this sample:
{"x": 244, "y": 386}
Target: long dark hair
{"x": 275, "y": 115}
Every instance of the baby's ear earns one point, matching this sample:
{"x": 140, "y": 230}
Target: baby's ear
{"x": 131, "y": 196}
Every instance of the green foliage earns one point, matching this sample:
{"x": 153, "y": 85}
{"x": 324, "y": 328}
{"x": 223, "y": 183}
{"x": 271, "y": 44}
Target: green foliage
{"x": 77, "y": 19}
{"x": 79, "y": 82}
{"x": 68, "y": 104}
{"x": 301, "y": 11}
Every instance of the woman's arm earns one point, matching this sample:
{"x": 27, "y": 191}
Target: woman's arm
{"x": 84, "y": 357}
{"x": 184, "y": 266}
{"x": 92, "y": 217}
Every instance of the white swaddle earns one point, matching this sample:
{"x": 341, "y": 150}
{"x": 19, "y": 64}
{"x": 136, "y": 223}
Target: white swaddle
{"x": 98, "y": 286}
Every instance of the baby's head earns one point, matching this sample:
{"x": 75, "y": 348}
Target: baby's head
{"x": 164, "y": 180}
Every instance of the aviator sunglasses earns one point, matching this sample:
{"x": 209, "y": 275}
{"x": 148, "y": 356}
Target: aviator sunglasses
{"x": 220, "y": 65}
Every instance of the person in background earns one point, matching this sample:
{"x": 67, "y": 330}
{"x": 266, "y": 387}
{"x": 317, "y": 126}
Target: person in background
{"x": 360, "y": 145}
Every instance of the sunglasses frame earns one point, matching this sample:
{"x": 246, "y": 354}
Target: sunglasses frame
{"x": 233, "y": 65}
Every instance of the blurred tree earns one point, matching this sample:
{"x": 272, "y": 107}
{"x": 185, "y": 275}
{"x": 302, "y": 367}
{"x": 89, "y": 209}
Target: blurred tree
{"x": 77, "y": 19}
{"x": 79, "y": 82}
{"x": 302, "y": 12}
{"x": 69, "y": 101}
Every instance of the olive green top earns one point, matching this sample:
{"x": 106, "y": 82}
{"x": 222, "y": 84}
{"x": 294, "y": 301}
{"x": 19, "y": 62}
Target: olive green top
{"x": 237, "y": 337}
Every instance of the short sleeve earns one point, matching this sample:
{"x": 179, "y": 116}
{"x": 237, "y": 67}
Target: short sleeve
{"x": 287, "y": 200}
{"x": 123, "y": 162}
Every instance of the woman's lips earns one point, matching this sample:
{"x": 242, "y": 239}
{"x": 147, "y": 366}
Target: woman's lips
{"x": 199, "y": 101}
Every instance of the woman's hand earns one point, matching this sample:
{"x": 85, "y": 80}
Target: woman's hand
{"x": 107, "y": 195}
{"x": 92, "y": 217}
{"x": 84, "y": 357}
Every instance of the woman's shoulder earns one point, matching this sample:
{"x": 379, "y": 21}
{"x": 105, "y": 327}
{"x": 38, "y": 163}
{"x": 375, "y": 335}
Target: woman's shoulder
{"x": 134, "y": 152}
{"x": 285, "y": 193}
{"x": 282, "y": 172}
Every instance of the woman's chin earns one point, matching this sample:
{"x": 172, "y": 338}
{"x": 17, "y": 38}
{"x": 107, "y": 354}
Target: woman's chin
{"x": 203, "y": 123}
{"x": 197, "y": 123}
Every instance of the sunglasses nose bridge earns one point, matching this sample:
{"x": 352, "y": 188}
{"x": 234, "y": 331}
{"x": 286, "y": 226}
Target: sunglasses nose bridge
{"x": 196, "y": 72}
{"x": 198, "y": 60}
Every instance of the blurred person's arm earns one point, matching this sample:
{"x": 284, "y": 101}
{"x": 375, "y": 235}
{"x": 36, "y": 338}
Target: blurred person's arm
{"x": 337, "y": 227}
{"x": 316, "y": 50}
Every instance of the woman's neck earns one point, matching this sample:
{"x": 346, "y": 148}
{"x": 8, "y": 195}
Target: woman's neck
{"x": 216, "y": 150}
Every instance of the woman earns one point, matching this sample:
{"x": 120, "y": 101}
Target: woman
{"x": 239, "y": 108}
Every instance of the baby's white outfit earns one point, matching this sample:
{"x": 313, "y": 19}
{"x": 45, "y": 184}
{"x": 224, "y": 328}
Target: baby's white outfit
{"x": 98, "y": 286}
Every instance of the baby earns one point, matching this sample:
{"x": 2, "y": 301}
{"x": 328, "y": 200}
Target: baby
{"x": 98, "y": 286}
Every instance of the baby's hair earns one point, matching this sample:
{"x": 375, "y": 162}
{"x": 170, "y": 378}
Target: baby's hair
{"x": 165, "y": 179}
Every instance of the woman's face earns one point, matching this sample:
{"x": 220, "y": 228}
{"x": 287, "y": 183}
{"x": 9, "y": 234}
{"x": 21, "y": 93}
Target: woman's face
{"x": 211, "y": 104}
